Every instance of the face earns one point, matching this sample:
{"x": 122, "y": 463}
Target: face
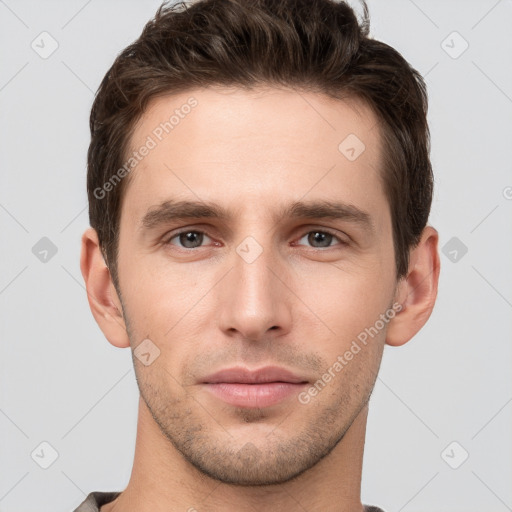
{"x": 250, "y": 241}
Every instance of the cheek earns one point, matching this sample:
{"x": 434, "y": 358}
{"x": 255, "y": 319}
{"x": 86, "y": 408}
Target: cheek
{"x": 346, "y": 298}
{"x": 345, "y": 384}
{"x": 159, "y": 293}
{"x": 170, "y": 308}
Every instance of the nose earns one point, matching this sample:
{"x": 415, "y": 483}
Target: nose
{"x": 254, "y": 297}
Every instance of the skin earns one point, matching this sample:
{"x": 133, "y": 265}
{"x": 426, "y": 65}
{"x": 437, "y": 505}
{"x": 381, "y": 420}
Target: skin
{"x": 298, "y": 305}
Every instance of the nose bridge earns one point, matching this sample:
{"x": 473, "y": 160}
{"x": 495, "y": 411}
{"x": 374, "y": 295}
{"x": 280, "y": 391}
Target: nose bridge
{"x": 255, "y": 257}
{"x": 254, "y": 273}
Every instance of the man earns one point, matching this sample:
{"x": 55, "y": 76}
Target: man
{"x": 259, "y": 186}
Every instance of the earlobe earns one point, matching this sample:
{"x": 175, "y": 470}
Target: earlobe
{"x": 418, "y": 291}
{"x": 101, "y": 294}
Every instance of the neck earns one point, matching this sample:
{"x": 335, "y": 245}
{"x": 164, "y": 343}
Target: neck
{"x": 163, "y": 481}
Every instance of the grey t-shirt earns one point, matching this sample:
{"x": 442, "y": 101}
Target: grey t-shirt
{"x": 95, "y": 500}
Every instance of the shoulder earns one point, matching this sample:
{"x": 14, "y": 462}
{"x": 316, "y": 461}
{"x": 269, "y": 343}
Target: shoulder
{"x": 95, "y": 500}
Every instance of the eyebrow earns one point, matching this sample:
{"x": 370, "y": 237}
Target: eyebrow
{"x": 172, "y": 210}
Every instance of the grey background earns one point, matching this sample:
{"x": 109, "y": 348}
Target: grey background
{"x": 62, "y": 383}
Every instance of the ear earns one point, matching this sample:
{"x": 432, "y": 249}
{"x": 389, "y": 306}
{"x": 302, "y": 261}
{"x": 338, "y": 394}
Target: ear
{"x": 418, "y": 291}
{"x": 101, "y": 293}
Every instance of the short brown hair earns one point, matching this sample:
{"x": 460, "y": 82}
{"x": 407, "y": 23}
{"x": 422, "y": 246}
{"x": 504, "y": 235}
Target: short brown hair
{"x": 309, "y": 45}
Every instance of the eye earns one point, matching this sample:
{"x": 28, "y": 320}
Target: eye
{"x": 192, "y": 239}
{"x": 189, "y": 239}
{"x": 322, "y": 238}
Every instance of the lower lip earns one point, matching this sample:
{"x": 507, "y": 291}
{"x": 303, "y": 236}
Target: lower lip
{"x": 254, "y": 395}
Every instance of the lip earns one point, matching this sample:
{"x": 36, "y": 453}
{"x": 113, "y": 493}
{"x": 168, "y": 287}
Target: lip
{"x": 241, "y": 375}
{"x": 260, "y": 388}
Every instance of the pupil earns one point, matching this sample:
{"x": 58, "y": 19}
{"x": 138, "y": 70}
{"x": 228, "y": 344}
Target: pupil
{"x": 189, "y": 238}
{"x": 321, "y": 238}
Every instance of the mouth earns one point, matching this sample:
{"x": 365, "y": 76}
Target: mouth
{"x": 259, "y": 388}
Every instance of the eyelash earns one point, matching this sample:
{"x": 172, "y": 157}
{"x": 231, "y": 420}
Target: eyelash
{"x": 168, "y": 239}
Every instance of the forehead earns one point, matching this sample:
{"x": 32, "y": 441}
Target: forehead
{"x": 228, "y": 116}
{"x": 245, "y": 148}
